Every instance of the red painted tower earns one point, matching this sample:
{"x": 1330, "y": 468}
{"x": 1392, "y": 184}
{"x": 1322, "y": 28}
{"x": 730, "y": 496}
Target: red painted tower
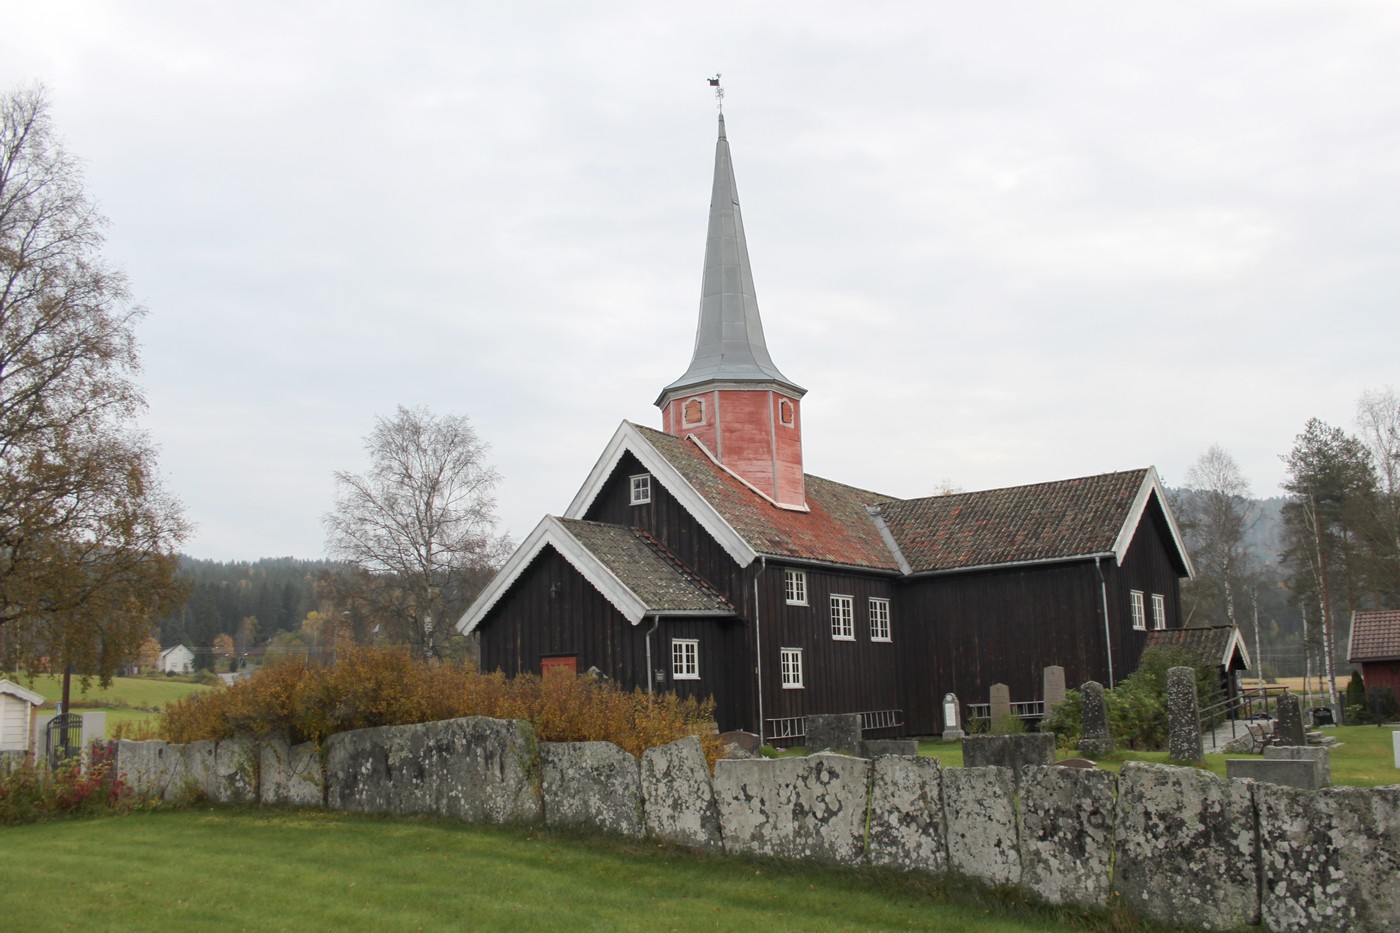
{"x": 732, "y": 398}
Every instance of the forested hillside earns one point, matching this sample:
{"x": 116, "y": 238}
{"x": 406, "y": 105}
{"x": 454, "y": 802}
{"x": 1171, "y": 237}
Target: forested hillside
{"x": 249, "y": 602}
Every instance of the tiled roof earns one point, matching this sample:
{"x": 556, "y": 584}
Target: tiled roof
{"x": 1045, "y": 521}
{"x": 836, "y": 530}
{"x": 1206, "y": 643}
{"x": 646, "y": 568}
{"x": 1375, "y": 636}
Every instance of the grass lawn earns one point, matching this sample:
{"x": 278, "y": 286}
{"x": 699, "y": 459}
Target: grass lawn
{"x": 1365, "y": 757}
{"x": 217, "y": 869}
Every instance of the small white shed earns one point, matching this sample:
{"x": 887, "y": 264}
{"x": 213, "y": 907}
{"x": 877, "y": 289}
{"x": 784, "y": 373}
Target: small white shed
{"x": 177, "y": 660}
{"x": 16, "y": 715}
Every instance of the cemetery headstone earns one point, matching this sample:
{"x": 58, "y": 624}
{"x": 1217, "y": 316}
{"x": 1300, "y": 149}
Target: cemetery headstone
{"x": 837, "y": 732}
{"x": 952, "y": 722}
{"x": 1000, "y": 704}
{"x": 1053, "y": 687}
{"x": 1093, "y": 721}
{"x": 1183, "y": 717}
{"x": 1290, "y": 721}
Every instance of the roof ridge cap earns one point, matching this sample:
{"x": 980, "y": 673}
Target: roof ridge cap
{"x": 681, "y": 566}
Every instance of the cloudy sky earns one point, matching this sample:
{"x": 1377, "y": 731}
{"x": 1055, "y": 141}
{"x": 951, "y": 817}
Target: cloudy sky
{"x": 999, "y": 243}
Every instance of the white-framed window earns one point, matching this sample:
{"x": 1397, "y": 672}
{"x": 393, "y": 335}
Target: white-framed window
{"x": 795, "y": 587}
{"x": 1139, "y": 610}
{"x": 1159, "y": 611}
{"x": 685, "y": 659}
{"x": 785, "y": 412}
{"x": 843, "y": 618}
{"x": 791, "y": 659}
{"x": 879, "y": 619}
{"x": 641, "y": 489}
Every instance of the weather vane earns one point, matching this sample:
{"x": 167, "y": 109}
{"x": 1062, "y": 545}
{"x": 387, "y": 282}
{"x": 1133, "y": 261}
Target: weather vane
{"x": 719, "y": 92}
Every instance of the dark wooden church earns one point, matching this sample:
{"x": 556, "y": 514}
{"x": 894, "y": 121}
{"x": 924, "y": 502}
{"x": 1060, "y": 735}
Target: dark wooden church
{"x": 702, "y": 559}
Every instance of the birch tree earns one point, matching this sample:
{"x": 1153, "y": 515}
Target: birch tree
{"x": 419, "y": 526}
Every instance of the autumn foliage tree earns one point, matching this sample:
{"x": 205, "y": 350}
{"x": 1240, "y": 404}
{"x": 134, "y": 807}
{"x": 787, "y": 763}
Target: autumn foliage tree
{"x": 86, "y": 533}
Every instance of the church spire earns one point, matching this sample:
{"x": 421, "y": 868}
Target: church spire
{"x": 729, "y": 343}
{"x": 733, "y": 399}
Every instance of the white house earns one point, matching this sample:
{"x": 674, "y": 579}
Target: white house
{"x": 16, "y": 713}
{"x": 177, "y": 660}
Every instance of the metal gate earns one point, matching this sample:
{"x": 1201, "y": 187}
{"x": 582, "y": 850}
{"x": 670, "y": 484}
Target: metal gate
{"x": 64, "y": 737}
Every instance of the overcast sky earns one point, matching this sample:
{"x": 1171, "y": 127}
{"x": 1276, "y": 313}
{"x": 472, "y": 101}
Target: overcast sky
{"x": 999, "y": 243}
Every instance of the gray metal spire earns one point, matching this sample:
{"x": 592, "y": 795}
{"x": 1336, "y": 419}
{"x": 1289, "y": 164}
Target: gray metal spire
{"x": 729, "y": 344}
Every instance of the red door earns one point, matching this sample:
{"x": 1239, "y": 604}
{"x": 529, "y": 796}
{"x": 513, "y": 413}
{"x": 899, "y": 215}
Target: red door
{"x": 551, "y": 666}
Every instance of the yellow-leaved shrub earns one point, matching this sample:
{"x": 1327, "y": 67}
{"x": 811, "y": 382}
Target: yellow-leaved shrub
{"x": 384, "y": 687}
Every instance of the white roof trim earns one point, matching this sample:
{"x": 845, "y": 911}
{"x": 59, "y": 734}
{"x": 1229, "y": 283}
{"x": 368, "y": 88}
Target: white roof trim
{"x": 1236, "y": 641}
{"x": 1151, "y": 483}
{"x": 628, "y": 439}
{"x": 551, "y": 532}
{"x": 874, "y": 512}
{"x": 15, "y": 690}
{"x": 756, "y": 491}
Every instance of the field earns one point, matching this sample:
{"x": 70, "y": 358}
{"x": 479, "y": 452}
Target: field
{"x": 128, "y": 699}
{"x": 226, "y": 869}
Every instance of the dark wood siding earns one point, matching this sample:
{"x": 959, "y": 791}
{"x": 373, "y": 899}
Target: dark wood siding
{"x": 668, "y": 522}
{"x": 969, "y": 631}
{"x": 838, "y": 676}
{"x": 553, "y": 610}
{"x": 1149, "y": 566}
{"x": 956, "y": 633}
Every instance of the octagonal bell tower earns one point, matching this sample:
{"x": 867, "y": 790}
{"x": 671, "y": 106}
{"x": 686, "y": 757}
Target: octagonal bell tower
{"x": 733, "y": 399}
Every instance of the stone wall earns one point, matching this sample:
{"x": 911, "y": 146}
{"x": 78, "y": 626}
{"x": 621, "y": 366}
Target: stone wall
{"x": 1174, "y": 845}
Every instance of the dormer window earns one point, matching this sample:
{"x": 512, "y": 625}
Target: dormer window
{"x": 785, "y": 412}
{"x": 693, "y": 413}
{"x": 641, "y": 489}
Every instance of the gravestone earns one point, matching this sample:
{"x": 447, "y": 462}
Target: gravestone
{"x": 1303, "y": 774}
{"x": 874, "y": 748}
{"x": 1290, "y": 721}
{"x": 1012, "y": 752}
{"x": 740, "y": 744}
{"x": 952, "y": 723}
{"x": 1053, "y": 687}
{"x": 1183, "y": 717}
{"x": 837, "y": 732}
{"x": 1322, "y": 756}
{"x": 1000, "y": 707}
{"x": 1093, "y": 721}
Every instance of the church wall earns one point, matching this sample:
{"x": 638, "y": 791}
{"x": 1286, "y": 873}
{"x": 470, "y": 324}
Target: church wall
{"x": 838, "y": 676}
{"x": 1150, "y": 567}
{"x": 971, "y": 630}
{"x": 666, "y": 519}
{"x": 552, "y": 611}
